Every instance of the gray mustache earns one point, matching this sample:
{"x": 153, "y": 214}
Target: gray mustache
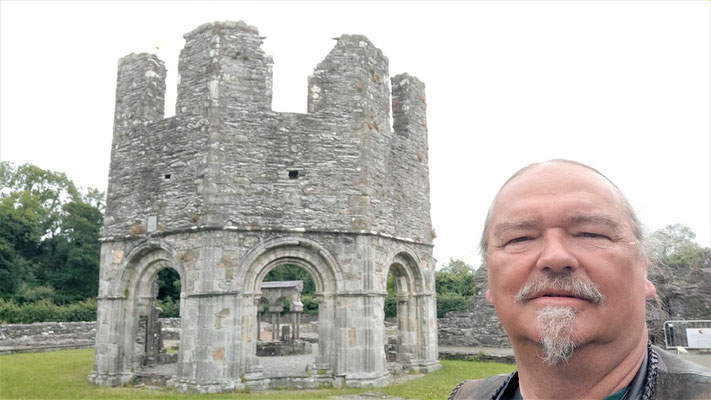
{"x": 578, "y": 285}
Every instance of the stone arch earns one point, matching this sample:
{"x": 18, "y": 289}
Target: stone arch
{"x": 312, "y": 256}
{"x": 405, "y": 267}
{"x": 139, "y": 274}
{"x": 326, "y": 272}
{"x": 409, "y": 265}
{"x": 146, "y": 258}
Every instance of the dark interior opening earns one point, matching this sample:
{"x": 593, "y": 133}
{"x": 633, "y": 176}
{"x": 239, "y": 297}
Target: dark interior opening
{"x": 294, "y": 174}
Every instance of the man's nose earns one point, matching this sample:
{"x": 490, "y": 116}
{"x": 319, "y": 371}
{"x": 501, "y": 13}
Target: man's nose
{"x": 556, "y": 255}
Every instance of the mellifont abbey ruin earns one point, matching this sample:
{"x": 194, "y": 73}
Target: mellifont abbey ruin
{"x": 228, "y": 189}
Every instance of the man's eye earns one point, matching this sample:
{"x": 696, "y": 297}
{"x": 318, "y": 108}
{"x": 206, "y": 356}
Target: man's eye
{"x": 592, "y": 235}
{"x": 518, "y": 240}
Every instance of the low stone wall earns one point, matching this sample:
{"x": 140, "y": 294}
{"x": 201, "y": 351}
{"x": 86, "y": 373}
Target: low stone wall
{"x": 45, "y": 336}
{"x": 461, "y": 329}
{"x": 471, "y": 329}
{"x": 271, "y": 349}
{"x": 479, "y": 356}
{"x": 456, "y": 329}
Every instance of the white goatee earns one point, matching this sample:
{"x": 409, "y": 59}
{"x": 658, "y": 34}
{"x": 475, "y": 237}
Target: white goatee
{"x": 556, "y": 324}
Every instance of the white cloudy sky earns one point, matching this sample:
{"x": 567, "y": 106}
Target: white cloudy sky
{"x": 622, "y": 86}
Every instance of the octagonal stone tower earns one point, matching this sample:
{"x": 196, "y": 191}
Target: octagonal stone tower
{"x": 228, "y": 189}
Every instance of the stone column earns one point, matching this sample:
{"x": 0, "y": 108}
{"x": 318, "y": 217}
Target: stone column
{"x": 426, "y": 353}
{"x": 362, "y": 354}
{"x": 214, "y": 339}
{"x": 109, "y": 351}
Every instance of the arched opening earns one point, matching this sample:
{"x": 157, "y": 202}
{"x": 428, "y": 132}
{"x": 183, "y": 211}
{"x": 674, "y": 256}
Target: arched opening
{"x": 327, "y": 276}
{"x": 153, "y": 287}
{"x": 168, "y": 302}
{"x": 398, "y": 326}
{"x": 287, "y": 319}
{"x": 157, "y": 313}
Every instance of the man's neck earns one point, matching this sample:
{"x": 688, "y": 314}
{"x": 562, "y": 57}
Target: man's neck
{"x": 593, "y": 372}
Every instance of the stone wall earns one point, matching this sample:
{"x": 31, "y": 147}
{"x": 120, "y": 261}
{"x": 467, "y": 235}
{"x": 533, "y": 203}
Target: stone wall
{"x": 46, "y": 335}
{"x": 478, "y": 326}
{"x": 226, "y": 160}
{"x": 41, "y": 336}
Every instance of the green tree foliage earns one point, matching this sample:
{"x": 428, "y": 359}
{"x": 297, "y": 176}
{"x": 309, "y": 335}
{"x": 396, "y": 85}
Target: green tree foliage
{"x": 19, "y": 242}
{"x": 454, "y": 284}
{"x": 77, "y": 277}
{"x": 49, "y": 247}
{"x": 455, "y": 277}
{"x": 168, "y": 285}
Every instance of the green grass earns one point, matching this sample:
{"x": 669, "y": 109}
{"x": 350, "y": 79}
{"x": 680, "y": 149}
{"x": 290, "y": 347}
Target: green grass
{"x": 62, "y": 375}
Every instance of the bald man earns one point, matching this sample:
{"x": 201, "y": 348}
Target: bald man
{"x": 567, "y": 275}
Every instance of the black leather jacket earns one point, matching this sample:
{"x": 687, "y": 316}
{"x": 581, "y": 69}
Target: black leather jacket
{"x": 661, "y": 376}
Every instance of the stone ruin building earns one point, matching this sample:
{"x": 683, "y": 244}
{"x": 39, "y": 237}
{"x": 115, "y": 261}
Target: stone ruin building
{"x": 228, "y": 189}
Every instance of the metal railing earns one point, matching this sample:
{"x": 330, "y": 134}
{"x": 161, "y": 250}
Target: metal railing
{"x": 689, "y": 334}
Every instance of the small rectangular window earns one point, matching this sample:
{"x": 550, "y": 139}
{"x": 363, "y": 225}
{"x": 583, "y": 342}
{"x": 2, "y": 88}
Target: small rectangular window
{"x": 166, "y": 176}
{"x": 293, "y": 174}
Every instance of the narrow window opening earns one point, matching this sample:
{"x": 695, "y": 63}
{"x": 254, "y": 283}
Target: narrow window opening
{"x": 167, "y": 176}
{"x": 293, "y": 174}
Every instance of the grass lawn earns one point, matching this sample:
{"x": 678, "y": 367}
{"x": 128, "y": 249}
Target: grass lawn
{"x": 62, "y": 375}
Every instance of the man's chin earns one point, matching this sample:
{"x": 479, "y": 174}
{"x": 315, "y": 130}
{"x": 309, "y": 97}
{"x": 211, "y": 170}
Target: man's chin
{"x": 556, "y": 338}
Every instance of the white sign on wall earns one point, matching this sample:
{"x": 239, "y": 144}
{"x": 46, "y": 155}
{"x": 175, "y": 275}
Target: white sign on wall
{"x": 698, "y": 338}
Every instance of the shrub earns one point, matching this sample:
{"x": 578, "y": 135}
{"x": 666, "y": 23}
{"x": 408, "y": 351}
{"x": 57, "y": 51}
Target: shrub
{"x": 310, "y": 305}
{"x": 45, "y": 310}
{"x": 170, "y": 307}
{"x": 448, "y": 302}
{"x": 390, "y": 306}
{"x": 29, "y": 294}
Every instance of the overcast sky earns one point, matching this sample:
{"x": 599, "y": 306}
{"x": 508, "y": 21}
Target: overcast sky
{"x": 622, "y": 86}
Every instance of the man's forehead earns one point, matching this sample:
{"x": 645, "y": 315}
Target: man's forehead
{"x": 554, "y": 179}
{"x": 556, "y": 176}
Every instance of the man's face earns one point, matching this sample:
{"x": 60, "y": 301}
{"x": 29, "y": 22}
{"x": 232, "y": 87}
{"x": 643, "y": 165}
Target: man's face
{"x": 555, "y": 220}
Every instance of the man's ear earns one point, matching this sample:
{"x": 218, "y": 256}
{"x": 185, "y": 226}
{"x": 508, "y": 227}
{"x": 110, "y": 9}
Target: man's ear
{"x": 488, "y": 296}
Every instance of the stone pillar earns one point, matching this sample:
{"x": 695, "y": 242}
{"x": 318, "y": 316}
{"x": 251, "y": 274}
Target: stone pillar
{"x": 213, "y": 343}
{"x": 406, "y": 323}
{"x": 109, "y": 350}
{"x": 360, "y": 320}
{"x": 259, "y": 325}
{"x": 327, "y": 355}
{"x": 275, "y": 326}
{"x": 426, "y": 353}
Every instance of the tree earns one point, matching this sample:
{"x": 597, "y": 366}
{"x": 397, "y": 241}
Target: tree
{"x": 679, "y": 268}
{"x": 77, "y": 277}
{"x": 168, "y": 284}
{"x": 456, "y": 277}
{"x": 455, "y": 287}
{"x": 19, "y": 242}
{"x": 49, "y": 236}
{"x": 51, "y": 190}
{"x": 675, "y": 245}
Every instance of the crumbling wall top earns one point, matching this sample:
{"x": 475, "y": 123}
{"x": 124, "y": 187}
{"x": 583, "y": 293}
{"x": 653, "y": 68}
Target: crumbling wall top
{"x": 241, "y": 25}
